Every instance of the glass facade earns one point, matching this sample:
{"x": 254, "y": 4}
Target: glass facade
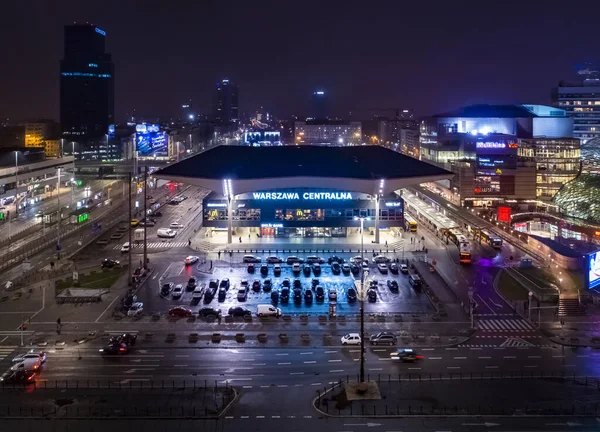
{"x": 580, "y": 198}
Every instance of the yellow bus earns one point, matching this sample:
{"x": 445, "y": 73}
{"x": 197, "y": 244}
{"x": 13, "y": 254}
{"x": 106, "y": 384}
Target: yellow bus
{"x": 410, "y": 223}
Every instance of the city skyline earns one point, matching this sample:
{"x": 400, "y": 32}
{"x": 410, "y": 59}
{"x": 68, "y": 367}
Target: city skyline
{"x": 384, "y": 61}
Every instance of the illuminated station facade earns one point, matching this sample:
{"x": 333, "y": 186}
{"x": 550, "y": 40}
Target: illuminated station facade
{"x": 302, "y": 191}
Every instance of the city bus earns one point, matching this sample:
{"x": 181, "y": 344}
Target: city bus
{"x": 464, "y": 247}
{"x": 410, "y": 223}
{"x": 493, "y": 240}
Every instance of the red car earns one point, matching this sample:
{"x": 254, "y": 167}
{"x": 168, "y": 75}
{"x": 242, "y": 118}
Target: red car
{"x": 179, "y": 311}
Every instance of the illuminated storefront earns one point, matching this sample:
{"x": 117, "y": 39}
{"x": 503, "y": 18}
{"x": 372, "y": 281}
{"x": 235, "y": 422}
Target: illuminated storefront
{"x": 302, "y": 212}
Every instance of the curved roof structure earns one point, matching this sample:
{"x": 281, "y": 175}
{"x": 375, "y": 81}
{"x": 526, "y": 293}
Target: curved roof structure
{"x": 590, "y": 156}
{"x": 367, "y": 169}
{"x": 580, "y": 198}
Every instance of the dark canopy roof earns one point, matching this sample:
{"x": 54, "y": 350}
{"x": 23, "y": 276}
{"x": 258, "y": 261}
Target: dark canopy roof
{"x": 498, "y": 111}
{"x": 241, "y": 163}
{"x": 359, "y": 169}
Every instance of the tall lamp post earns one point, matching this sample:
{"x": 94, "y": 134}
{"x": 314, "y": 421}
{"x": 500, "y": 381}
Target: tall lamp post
{"x": 145, "y": 216}
{"x": 362, "y": 297}
{"x": 72, "y": 178}
{"x": 16, "y": 182}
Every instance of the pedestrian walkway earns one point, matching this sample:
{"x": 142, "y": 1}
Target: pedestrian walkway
{"x": 157, "y": 245}
{"x": 500, "y": 325}
{"x": 6, "y": 351}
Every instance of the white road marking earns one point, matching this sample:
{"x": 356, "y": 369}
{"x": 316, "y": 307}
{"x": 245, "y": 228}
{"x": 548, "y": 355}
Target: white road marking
{"x": 282, "y": 354}
{"x": 330, "y": 352}
{"x": 296, "y": 373}
{"x": 311, "y": 362}
{"x": 288, "y": 363}
{"x": 259, "y": 364}
{"x": 460, "y": 358}
{"x": 484, "y": 358}
{"x": 333, "y": 361}
{"x": 434, "y": 358}
{"x": 306, "y": 353}
{"x": 336, "y": 370}
{"x": 375, "y": 369}
{"x": 451, "y": 349}
{"x": 315, "y": 384}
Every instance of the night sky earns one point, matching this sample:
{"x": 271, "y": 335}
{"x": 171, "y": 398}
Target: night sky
{"x": 428, "y": 55}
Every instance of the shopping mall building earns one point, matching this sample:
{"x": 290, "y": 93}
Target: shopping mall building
{"x": 302, "y": 191}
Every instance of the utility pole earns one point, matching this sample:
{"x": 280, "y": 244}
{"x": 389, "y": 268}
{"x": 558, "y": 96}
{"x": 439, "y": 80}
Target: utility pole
{"x": 130, "y": 240}
{"x": 145, "y": 216}
{"x": 362, "y": 302}
{"x": 17, "y": 183}
{"x": 59, "y": 218}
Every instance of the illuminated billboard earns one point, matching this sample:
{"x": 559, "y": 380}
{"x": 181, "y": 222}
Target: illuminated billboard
{"x": 504, "y": 214}
{"x": 151, "y": 143}
{"x": 594, "y": 270}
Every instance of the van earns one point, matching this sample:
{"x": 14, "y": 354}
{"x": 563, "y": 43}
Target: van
{"x": 414, "y": 280}
{"x": 166, "y": 232}
{"x": 267, "y": 310}
{"x": 125, "y": 247}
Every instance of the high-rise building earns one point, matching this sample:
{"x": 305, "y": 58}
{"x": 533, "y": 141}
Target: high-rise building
{"x": 327, "y": 132}
{"x": 581, "y": 100}
{"x": 86, "y": 84}
{"x": 226, "y": 107}
{"x": 319, "y": 105}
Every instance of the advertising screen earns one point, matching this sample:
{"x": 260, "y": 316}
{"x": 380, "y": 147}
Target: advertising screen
{"x": 594, "y": 270}
{"x": 504, "y": 214}
{"x": 151, "y": 143}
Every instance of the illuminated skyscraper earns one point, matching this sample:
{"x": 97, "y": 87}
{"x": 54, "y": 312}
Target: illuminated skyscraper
{"x": 319, "y": 108}
{"x": 86, "y": 84}
{"x": 226, "y": 106}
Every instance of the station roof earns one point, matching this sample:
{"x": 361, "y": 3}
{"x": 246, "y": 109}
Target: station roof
{"x": 492, "y": 111}
{"x": 355, "y": 168}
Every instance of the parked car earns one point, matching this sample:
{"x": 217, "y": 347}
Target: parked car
{"x": 176, "y": 225}
{"x": 314, "y": 283}
{"x": 406, "y": 355}
{"x": 356, "y": 259}
{"x": 239, "y": 311}
{"x": 222, "y": 294}
{"x": 125, "y": 247}
{"x": 320, "y": 293}
{"x": 335, "y": 268}
{"x": 311, "y": 259}
{"x": 365, "y": 265}
{"x": 274, "y": 260}
{"x": 109, "y": 263}
{"x": 392, "y": 285}
{"x": 354, "y": 269}
{"x": 296, "y": 268}
{"x": 381, "y": 259}
{"x": 256, "y": 285}
{"x": 191, "y": 259}
{"x": 297, "y": 283}
{"x": 346, "y": 268}
{"x": 404, "y": 268}
{"x": 308, "y": 296}
{"x": 383, "y": 338}
{"x": 264, "y": 269}
{"x": 166, "y": 289}
{"x": 277, "y": 270}
{"x": 297, "y": 295}
{"x": 306, "y": 270}
{"x": 383, "y": 268}
{"x": 242, "y": 293}
{"x": 350, "y": 339}
{"x": 250, "y": 259}
{"x": 372, "y": 295}
{"x": 267, "y": 285}
{"x": 351, "y": 295}
{"x": 267, "y": 310}
{"x": 250, "y": 268}
{"x": 293, "y": 259}
{"x": 209, "y": 294}
{"x": 316, "y": 268}
{"x": 285, "y": 295}
{"x": 209, "y": 312}
{"x": 336, "y": 259}
{"x": 393, "y": 268}
{"x": 192, "y": 283}
{"x": 286, "y": 283}
{"x": 332, "y": 294}
{"x": 275, "y": 296}
{"x": 373, "y": 284}
{"x": 178, "y": 291}
{"x": 180, "y": 312}
{"x": 213, "y": 283}
{"x": 135, "y": 309}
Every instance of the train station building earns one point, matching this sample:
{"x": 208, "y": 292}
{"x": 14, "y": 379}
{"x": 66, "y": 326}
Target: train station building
{"x": 302, "y": 191}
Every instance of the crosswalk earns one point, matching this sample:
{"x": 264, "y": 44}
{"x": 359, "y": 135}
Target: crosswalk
{"x": 497, "y": 325}
{"x": 6, "y": 351}
{"x": 157, "y": 245}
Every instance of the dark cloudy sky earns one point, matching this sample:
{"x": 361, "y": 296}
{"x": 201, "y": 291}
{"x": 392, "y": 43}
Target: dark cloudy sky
{"x": 430, "y": 55}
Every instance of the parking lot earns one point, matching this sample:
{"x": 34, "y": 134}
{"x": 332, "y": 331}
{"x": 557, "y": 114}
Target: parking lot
{"x": 404, "y": 300}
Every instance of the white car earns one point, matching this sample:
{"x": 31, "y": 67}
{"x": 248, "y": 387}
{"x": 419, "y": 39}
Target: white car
{"x": 404, "y": 268}
{"x": 351, "y": 339}
{"x": 31, "y": 354}
{"x": 125, "y": 247}
{"x": 29, "y": 364}
{"x": 274, "y": 260}
{"x": 175, "y": 225}
{"x": 356, "y": 259}
{"x": 296, "y": 268}
{"x": 381, "y": 259}
{"x": 383, "y": 268}
{"x": 191, "y": 259}
{"x": 178, "y": 291}
{"x": 136, "y": 309}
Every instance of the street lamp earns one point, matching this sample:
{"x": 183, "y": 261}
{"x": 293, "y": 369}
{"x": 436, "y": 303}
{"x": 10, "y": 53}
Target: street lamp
{"x": 16, "y": 183}
{"x": 362, "y": 297}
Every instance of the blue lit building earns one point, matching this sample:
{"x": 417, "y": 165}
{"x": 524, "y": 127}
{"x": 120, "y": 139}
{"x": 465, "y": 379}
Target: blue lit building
{"x": 502, "y": 153}
{"x": 86, "y": 86}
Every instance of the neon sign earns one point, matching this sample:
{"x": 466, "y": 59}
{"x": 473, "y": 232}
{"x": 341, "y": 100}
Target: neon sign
{"x": 216, "y": 205}
{"x": 102, "y": 32}
{"x": 271, "y": 225}
{"x": 490, "y": 145}
{"x": 305, "y": 196}
{"x": 393, "y": 204}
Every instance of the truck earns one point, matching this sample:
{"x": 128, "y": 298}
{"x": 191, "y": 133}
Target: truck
{"x": 138, "y": 235}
